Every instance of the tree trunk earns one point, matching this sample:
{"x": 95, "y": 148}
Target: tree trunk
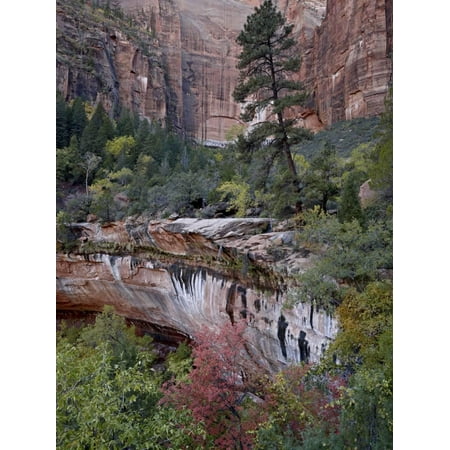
{"x": 87, "y": 188}
{"x": 286, "y": 148}
{"x": 290, "y": 161}
{"x": 324, "y": 202}
{"x": 285, "y": 143}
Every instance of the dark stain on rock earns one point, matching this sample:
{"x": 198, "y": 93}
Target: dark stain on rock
{"x": 231, "y": 296}
{"x": 185, "y": 275}
{"x": 245, "y": 264}
{"x": 303, "y": 347}
{"x": 243, "y": 291}
{"x": 134, "y": 263}
{"x": 282, "y": 326}
{"x": 277, "y": 295}
{"x": 257, "y": 305}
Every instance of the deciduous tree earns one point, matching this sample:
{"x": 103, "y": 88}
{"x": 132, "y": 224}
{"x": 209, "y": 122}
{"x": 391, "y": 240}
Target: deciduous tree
{"x": 349, "y": 253}
{"x": 364, "y": 347}
{"x": 238, "y": 194}
{"x": 89, "y": 163}
{"x": 215, "y": 387}
{"x": 296, "y": 401}
{"x": 107, "y": 395}
{"x": 103, "y": 191}
{"x": 323, "y": 176}
{"x": 118, "y": 152}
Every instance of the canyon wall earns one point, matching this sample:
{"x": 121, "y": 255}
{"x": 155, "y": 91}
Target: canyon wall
{"x": 177, "y": 276}
{"x": 182, "y": 65}
{"x": 99, "y": 62}
{"x": 347, "y": 65}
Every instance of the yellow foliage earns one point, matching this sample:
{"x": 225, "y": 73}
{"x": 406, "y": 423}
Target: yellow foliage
{"x": 119, "y": 145}
{"x": 239, "y": 193}
{"x": 105, "y": 184}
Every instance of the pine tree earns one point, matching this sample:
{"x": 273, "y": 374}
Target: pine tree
{"x": 143, "y": 138}
{"x": 62, "y": 118}
{"x": 97, "y": 132}
{"x": 268, "y": 59}
{"x": 125, "y": 124}
{"x": 381, "y": 172}
{"x": 78, "y": 118}
{"x": 349, "y": 206}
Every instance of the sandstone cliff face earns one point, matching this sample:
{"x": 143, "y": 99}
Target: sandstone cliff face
{"x": 207, "y": 272}
{"x": 99, "y": 62}
{"x": 197, "y": 39}
{"x": 189, "y": 71}
{"x": 347, "y": 64}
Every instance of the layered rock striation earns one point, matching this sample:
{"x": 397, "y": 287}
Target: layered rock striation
{"x": 177, "y": 63}
{"x": 347, "y": 64}
{"x": 173, "y": 277}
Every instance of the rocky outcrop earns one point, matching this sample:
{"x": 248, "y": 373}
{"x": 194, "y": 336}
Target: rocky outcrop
{"x": 367, "y": 195}
{"x": 176, "y": 276}
{"x": 178, "y": 61}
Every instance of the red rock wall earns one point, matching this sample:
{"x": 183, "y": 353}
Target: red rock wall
{"x": 347, "y": 64}
{"x": 192, "y": 72}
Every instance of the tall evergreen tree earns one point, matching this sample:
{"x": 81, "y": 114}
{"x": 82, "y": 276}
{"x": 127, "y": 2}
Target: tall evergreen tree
{"x": 143, "y": 137}
{"x": 62, "y": 119}
{"x": 78, "y": 118}
{"x": 269, "y": 57}
{"x": 125, "y": 124}
{"x": 381, "y": 172}
{"x": 97, "y": 132}
{"x": 349, "y": 206}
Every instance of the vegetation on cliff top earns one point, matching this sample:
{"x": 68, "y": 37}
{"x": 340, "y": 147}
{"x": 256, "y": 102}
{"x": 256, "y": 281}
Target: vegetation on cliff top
{"x": 116, "y": 168}
{"x": 85, "y": 19}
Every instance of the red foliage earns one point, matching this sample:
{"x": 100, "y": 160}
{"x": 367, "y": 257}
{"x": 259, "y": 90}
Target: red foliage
{"x": 295, "y": 400}
{"x": 216, "y": 386}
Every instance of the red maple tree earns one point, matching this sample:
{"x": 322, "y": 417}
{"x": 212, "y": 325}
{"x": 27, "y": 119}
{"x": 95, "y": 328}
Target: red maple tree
{"x": 216, "y": 388}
